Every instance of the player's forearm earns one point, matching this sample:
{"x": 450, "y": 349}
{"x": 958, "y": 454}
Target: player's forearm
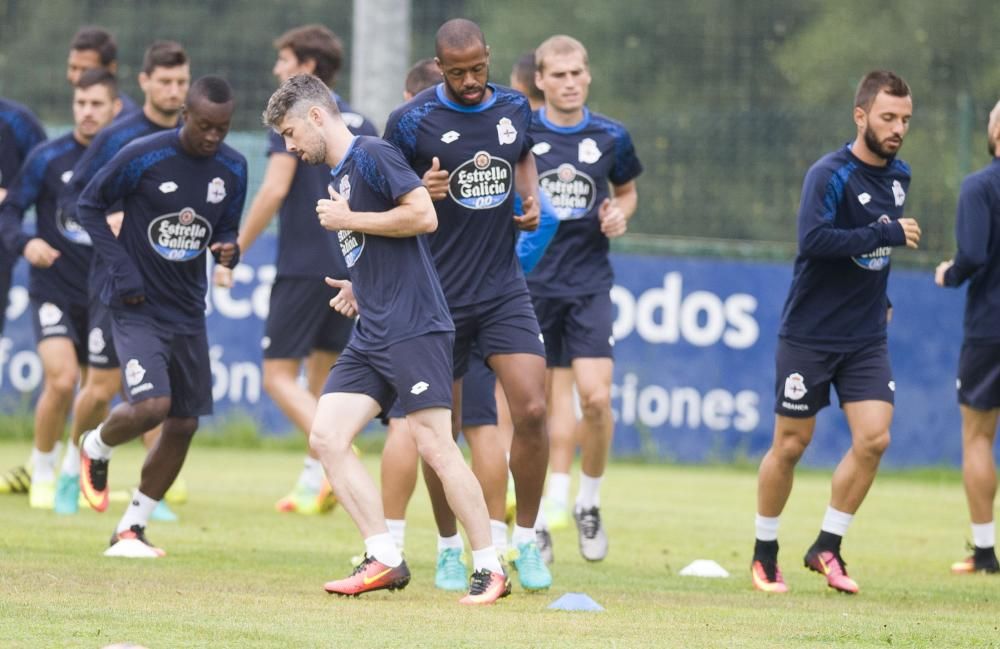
{"x": 627, "y": 199}
{"x": 400, "y": 221}
{"x": 12, "y": 237}
{"x": 263, "y": 208}
{"x": 526, "y": 177}
{"x": 828, "y": 242}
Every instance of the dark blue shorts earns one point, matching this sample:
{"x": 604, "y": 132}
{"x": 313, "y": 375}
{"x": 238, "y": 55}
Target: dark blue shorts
{"x": 299, "y": 319}
{"x": 803, "y": 377}
{"x": 576, "y": 327}
{"x": 100, "y": 341}
{"x": 503, "y": 325}
{"x": 57, "y": 319}
{"x": 163, "y": 363}
{"x": 979, "y": 376}
{"x": 418, "y": 370}
{"x": 479, "y": 404}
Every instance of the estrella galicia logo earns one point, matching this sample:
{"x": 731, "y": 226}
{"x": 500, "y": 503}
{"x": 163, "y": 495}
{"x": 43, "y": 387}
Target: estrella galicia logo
{"x": 481, "y": 183}
{"x": 180, "y": 236}
{"x": 877, "y": 259}
{"x": 572, "y": 191}
{"x": 352, "y": 244}
{"x": 71, "y": 229}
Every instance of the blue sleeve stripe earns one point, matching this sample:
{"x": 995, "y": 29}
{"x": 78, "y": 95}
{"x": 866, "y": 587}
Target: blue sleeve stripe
{"x": 404, "y": 135}
{"x": 835, "y": 190}
{"x": 128, "y": 176}
{"x": 371, "y": 174}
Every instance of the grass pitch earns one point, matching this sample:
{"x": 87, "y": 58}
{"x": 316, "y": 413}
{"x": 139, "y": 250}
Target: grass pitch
{"x": 238, "y": 574}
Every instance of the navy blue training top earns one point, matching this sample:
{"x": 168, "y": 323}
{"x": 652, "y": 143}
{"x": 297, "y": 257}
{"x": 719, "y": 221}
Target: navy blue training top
{"x": 48, "y": 167}
{"x": 977, "y": 231}
{"x": 847, "y": 228}
{"x": 20, "y": 132}
{"x": 575, "y": 164}
{"x": 105, "y": 146}
{"x": 479, "y": 146}
{"x": 305, "y": 248}
{"x": 176, "y": 205}
{"x": 395, "y": 283}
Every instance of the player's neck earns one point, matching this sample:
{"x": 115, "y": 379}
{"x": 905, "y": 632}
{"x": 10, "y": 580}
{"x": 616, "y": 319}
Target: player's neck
{"x": 340, "y": 142}
{"x": 159, "y": 118}
{"x": 563, "y": 118}
{"x": 866, "y": 155}
{"x": 81, "y": 139}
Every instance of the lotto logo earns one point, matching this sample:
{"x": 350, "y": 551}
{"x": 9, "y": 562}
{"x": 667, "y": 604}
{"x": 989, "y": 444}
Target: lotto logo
{"x": 419, "y": 388}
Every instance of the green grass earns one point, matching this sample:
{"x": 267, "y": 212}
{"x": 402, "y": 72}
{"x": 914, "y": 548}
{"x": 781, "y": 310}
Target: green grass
{"x": 240, "y": 575}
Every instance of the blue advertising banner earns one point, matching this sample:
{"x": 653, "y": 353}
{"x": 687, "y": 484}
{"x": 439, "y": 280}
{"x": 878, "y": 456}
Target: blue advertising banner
{"x": 694, "y": 359}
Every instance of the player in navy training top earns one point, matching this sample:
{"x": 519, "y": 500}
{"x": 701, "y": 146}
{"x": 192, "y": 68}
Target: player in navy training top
{"x": 977, "y": 230}
{"x": 587, "y": 164}
{"x": 94, "y": 47}
{"x": 833, "y": 328}
{"x": 300, "y": 326}
{"x": 20, "y": 131}
{"x": 182, "y": 192}
{"x": 468, "y": 138}
{"x": 59, "y": 255}
{"x": 402, "y": 339}
{"x": 482, "y": 398}
{"x": 165, "y": 77}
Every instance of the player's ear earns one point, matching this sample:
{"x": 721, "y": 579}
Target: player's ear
{"x": 143, "y": 80}
{"x": 860, "y": 117}
{"x": 116, "y": 106}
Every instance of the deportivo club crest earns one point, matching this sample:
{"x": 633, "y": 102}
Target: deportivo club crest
{"x": 216, "y": 190}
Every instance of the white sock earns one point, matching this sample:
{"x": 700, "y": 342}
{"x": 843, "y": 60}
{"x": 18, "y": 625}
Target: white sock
{"x": 138, "y": 511}
{"x": 984, "y": 535}
{"x": 540, "y": 522}
{"x": 558, "y": 491}
{"x": 383, "y": 549}
{"x": 312, "y": 474}
{"x": 486, "y": 558}
{"x": 43, "y": 465}
{"x": 836, "y": 522}
{"x": 589, "y": 495}
{"x": 450, "y": 543}
{"x": 766, "y": 527}
{"x": 95, "y": 447}
{"x": 397, "y": 530}
{"x": 522, "y": 535}
{"x": 498, "y": 530}
{"x": 71, "y": 461}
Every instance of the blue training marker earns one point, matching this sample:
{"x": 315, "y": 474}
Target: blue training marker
{"x": 575, "y": 602}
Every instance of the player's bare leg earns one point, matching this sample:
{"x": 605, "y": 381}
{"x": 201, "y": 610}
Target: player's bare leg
{"x": 311, "y": 494}
{"x": 774, "y": 484}
{"x": 980, "y": 478}
{"x": 563, "y": 438}
{"x": 593, "y": 379}
{"x": 399, "y": 471}
{"x": 62, "y": 372}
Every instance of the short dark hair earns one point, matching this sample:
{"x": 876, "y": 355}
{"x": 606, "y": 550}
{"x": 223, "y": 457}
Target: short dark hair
{"x": 878, "y": 81}
{"x": 524, "y": 74}
{"x": 424, "y": 74}
{"x": 98, "y": 77}
{"x": 211, "y": 87}
{"x": 163, "y": 54}
{"x": 97, "y": 39}
{"x": 458, "y": 34}
{"x": 295, "y": 95}
{"x": 316, "y": 43}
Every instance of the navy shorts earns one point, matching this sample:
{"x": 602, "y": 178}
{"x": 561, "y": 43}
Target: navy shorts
{"x": 57, "y": 319}
{"x": 803, "y": 377}
{"x": 100, "y": 341}
{"x": 299, "y": 319}
{"x": 418, "y": 370}
{"x": 576, "y": 327}
{"x": 979, "y": 376}
{"x": 503, "y": 325}
{"x": 479, "y": 403}
{"x": 163, "y": 363}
